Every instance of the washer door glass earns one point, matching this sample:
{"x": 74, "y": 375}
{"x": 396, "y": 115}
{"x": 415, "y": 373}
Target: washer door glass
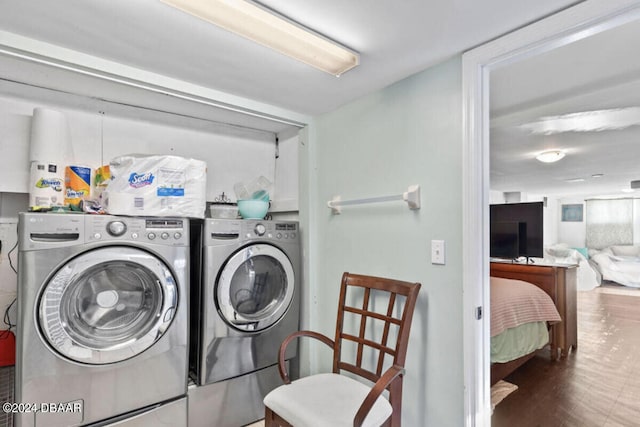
{"x": 255, "y": 287}
{"x": 108, "y": 305}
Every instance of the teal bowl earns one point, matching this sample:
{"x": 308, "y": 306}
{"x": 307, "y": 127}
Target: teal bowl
{"x": 253, "y": 209}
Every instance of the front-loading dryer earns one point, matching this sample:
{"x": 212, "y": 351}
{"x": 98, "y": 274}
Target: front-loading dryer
{"x": 102, "y": 312}
{"x": 248, "y": 297}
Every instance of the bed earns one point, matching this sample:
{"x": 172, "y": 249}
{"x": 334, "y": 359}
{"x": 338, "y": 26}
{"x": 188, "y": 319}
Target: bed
{"x": 620, "y": 264}
{"x": 521, "y": 317}
{"x": 588, "y": 276}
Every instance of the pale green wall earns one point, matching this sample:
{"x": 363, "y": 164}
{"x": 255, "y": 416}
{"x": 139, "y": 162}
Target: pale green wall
{"x": 408, "y": 133}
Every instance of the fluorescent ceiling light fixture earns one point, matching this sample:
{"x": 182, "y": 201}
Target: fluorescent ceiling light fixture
{"x": 587, "y": 121}
{"x": 550, "y": 156}
{"x": 263, "y": 26}
{"x": 597, "y": 175}
{"x": 575, "y": 180}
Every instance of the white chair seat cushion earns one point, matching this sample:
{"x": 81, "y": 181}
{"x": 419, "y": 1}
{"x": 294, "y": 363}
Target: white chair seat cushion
{"x": 325, "y": 400}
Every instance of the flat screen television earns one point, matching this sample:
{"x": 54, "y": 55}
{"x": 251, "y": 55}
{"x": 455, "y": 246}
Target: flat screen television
{"x": 529, "y": 217}
{"x": 505, "y": 239}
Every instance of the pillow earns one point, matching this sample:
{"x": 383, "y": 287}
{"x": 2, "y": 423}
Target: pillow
{"x": 592, "y": 252}
{"x": 607, "y": 251}
{"x": 559, "y": 250}
{"x": 625, "y": 250}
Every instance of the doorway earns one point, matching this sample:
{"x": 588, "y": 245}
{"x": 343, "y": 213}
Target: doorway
{"x": 571, "y": 25}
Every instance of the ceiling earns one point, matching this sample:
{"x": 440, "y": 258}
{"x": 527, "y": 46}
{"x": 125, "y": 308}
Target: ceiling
{"x": 394, "y": 38}
{"x": 600, "y": 72}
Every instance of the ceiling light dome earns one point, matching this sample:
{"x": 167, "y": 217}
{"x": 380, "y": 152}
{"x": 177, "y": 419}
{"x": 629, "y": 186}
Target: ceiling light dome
{"x": 550, "y": 156}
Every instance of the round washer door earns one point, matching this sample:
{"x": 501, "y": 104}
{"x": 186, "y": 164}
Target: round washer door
{"x": 255, "y": 287}
{"x": 108, "y": 305}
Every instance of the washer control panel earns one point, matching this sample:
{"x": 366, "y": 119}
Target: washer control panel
{"x": 260, "y": 229}
{"x": 116, "y": 228}
{"x": 165, "y": 231}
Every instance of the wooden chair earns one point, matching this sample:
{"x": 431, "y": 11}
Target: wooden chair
{"x": 333, "y": 399}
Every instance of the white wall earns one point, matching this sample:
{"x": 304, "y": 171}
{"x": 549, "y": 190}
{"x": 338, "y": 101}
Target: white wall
{"x": 232, "y": 153}
{"x": 408, "y": 133}
{"x": 636, "y": 221}
{"x": 496, "y": 197}
{"x": 551, "y": 222}
{"x": 286, "y": 172}
{"x": 572, "y": 233}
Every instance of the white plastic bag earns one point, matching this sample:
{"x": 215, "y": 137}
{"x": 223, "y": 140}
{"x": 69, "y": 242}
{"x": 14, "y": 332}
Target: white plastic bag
{"x": 156, "y": 185}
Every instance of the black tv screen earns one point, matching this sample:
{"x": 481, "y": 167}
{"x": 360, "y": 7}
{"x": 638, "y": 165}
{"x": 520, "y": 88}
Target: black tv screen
{"x": 505, "y": 240}
{"x": 529, "y": 217}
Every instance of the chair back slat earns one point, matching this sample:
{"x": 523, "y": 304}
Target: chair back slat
{"x": 385, "y": 318}
{"x": 363, "y": 325}
{"x": 369, "y": 343}
{"x": 396, "y": 315}
{"x": 385, "y": 333}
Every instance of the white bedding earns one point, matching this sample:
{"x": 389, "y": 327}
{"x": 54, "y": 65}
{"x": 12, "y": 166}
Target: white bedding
{"x": 561, "y": 253}
{"x": 624, "y": 270}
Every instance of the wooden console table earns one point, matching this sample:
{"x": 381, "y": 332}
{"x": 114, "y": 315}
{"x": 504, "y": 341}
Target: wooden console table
{"x": 559, "y": 281}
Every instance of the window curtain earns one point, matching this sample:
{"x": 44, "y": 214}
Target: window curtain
{"x": 609, "y": 222}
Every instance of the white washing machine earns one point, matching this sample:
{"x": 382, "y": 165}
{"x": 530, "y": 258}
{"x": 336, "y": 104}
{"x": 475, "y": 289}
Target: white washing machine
{"x": 248, "y": 298}
{"x": 102, "y": 320}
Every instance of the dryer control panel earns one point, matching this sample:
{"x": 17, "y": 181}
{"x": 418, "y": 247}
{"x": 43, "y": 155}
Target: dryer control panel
{"x": 286, "y": 230}
{"x": 226, "y": 230}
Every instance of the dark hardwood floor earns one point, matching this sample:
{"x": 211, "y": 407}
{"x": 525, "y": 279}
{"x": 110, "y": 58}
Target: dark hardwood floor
{"x": 597, "y": 385}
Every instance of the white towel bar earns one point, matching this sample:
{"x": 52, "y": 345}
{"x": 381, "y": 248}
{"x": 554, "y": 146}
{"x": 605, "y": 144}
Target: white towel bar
{"x": 411, "y": 196}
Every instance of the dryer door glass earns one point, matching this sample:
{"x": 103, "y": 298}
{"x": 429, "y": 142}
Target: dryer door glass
{"x": 255, "y": 287}
{"x": 108, "y": 305}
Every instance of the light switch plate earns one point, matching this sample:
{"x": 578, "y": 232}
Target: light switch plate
{"x": 437, "y": 252}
